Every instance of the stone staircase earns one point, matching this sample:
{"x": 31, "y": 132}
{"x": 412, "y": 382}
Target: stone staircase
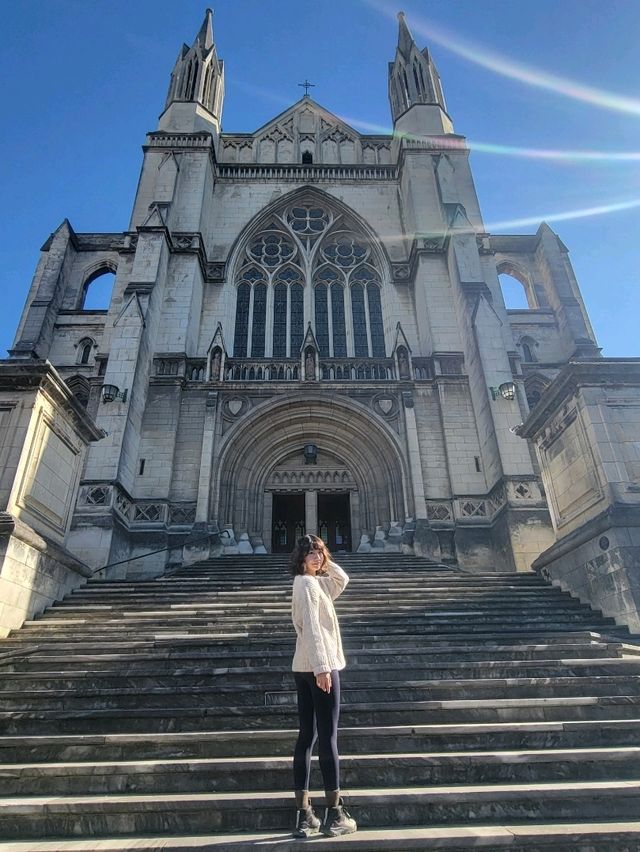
{"x": 486, "y": 711}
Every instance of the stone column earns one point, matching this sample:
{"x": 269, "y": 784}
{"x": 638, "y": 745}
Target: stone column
{"x": 425, "y": 540}
{"x": 311, "y": 512}
{"x": 198, "y": 543}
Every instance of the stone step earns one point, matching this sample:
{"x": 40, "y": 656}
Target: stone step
{"x": 279, "y": 677}
{"x": 515, "y": 837}
{"x": 242, "y": 606}
{"x": 48, "y": 817}
{"x": 479, "y": 624}
{"x": 271, "y": 773}
{"x": 171, "y": 718}
{"x": 353, "y": 740}
{"x": 268, "y": 690}
{"x": 187, "y": 662}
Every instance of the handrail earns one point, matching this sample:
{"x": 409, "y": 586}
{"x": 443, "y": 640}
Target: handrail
{"x": 154, "y": 552}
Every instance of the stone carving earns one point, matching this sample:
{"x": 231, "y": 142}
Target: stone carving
{"x": 309, "y": 366}
{"x": 473, "y": 509}
{"x": 439, "y": 512}
{"x": 215, "y": 271}
{"x": 151, "y": 512}
{"x": 181, "y": 514}
{"x": 100, "y": 495}
{"x": 403, "y": 363}
{"x": 216, "y": 363}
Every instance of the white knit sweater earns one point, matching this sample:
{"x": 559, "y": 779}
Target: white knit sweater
{"x": 318, "y": 644}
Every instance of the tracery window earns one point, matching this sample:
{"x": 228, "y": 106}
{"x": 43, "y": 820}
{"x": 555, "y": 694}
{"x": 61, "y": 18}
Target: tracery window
{"x": 308, "y": 249}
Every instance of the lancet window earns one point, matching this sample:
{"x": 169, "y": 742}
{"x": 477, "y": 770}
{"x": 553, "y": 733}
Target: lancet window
{"x": 309, "y": 265}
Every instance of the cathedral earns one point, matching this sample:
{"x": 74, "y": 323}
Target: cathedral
{"x": 305, "y": 332}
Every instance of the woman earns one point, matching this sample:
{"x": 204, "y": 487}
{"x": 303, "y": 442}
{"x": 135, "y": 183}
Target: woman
{"x": 316, "y": 665}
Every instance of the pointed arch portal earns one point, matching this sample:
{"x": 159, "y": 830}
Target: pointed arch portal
{"x": 379, "y": 481}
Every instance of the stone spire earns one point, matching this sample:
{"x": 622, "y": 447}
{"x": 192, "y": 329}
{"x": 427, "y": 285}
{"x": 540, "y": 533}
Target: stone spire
{"x": 196, "y": 90}
{"x": 414, "y": 81}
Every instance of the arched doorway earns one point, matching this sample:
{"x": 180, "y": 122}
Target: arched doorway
{"x": 357, "y": 480}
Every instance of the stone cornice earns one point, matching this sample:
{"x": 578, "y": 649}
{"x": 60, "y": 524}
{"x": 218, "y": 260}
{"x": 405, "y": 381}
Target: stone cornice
{"x": 18, "y": 375}
{"x": 574, "y": 375}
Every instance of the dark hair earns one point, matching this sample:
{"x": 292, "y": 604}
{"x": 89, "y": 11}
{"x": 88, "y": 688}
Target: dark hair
{"x": 304, "y": 546}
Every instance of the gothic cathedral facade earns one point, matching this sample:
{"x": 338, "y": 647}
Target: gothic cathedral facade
{"x": 306, "y": 333}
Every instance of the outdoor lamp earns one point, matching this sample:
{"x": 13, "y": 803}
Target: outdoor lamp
{"x": 310, "y": 454}
{"x": 507, "y": 390}
{"x": 112, "y": 392}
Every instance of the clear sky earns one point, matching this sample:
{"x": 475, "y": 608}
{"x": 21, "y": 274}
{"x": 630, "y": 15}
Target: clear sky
{"x": 84, "y": 81}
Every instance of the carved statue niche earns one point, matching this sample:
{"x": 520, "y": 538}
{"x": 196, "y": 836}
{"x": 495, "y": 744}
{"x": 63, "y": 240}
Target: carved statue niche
{"x": 216, "y": 362}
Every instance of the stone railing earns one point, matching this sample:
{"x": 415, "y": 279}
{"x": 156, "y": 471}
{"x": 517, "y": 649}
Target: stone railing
{"x": 262, "y": 370}
{"x": 331, "y": 370}
{"x": 357, "y": 369}
{"x": 299, "y": 172}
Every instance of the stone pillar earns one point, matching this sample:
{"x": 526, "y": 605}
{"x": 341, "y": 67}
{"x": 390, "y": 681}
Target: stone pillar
{"x": 425, "y": 540}
{"x": 586, "y": 430}
{"x": 199, "y": 544}
{"x": 44, "y": 434}
{"x": 311, "y": 512}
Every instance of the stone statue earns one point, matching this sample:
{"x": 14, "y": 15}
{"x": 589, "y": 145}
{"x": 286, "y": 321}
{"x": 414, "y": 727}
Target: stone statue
{"x": 403, "y": 364}
{"x": 215, "y": 366}
{"x": 310, "y": 366}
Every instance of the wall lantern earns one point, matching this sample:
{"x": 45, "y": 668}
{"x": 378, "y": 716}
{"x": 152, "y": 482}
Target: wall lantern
{"x": 310, "y": 454}
{"x": 507, "y": 390}
{"x": 112, "y": 392}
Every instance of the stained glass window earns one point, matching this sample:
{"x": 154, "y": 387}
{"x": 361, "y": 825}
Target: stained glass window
{"x": 358, "y": 313}
{"x": 344, "y": 251}
{"x": 271, "y": 250}
{"x": 297, "y": 319}
{"x": 259, "y": 320}
{"x": 337, "y": 316}
{"x": 322, "y": 319}
{"x": 280, "y": 321}
{"x": 242, "y": 321}
{"x": 375, "y": 318}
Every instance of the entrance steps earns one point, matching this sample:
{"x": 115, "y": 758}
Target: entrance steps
{"x": 486, "y": 711}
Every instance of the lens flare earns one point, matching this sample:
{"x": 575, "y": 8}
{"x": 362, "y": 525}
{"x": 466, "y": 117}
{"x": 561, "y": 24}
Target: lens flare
{"x": 457, "y": 142}
{"x": 581, "y": 213}
{"x": 516, "y": 70}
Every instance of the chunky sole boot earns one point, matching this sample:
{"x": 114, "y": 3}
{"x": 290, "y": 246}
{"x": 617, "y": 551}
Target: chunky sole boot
{"x": 307, "y": 823}
{"x": 337, "y": 822}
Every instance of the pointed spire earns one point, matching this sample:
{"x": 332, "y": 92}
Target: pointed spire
{"x": 205, "y": 34}
{"x": 405, "y": 39}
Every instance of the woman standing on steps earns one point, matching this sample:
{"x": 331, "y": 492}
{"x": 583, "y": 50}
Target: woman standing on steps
{"x": 317, "y": 582}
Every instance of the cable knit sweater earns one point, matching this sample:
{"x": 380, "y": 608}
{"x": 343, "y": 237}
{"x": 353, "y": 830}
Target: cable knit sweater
{"x": 318, "y": 644}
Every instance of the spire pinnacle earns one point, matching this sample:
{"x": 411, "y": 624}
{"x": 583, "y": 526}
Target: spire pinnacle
{"x": 405, "y": 39}
{"x": 205, "y": 34}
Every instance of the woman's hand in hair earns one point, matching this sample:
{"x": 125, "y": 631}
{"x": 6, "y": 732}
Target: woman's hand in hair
{"x": 323, "y": 681}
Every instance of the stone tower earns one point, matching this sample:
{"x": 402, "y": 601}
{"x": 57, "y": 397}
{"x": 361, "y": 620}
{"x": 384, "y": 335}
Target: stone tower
{"x": 306, "y": 333}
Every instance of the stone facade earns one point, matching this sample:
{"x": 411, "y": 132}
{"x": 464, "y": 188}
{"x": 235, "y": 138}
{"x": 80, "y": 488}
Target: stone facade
{"x": 306, "y": 286}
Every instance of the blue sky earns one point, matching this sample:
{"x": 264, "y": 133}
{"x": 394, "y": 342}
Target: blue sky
{"x": 85, "y": 80}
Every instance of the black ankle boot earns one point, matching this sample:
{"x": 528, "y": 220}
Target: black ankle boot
{"x": 337, "y": 821}
{"x": 307, "y": 823}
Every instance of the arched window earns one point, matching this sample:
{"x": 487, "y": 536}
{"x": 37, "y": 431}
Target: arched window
{"x": 360, "y": 339}
{"x": 528, "y": 344}
{"x": 79, "y": 387}
{"x": 308, "y": 247}
{"x": 97, "y": 290}
{"x": 307, "y": 157}
{"x": 85, "y": 351}
{"x": 513, "y": 292}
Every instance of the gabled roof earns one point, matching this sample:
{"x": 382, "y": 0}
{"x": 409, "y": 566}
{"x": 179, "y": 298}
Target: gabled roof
{"x": 304, "y": 103}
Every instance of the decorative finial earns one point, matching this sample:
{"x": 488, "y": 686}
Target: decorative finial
{"x": 306, "y": 86}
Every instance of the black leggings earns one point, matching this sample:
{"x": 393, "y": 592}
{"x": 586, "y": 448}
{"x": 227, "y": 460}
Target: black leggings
{"x": 323, "y": 708}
